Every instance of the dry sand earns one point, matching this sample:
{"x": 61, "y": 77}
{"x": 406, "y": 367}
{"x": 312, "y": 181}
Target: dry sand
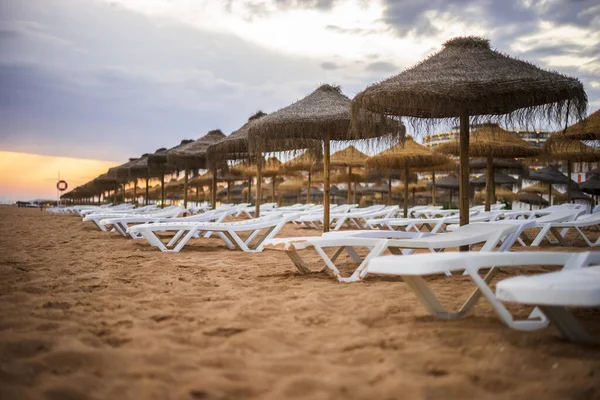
{"x": 86, "y": 314}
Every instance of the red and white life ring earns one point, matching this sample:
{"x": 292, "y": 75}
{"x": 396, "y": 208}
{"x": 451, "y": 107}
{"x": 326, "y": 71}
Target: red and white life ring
{"x": 62, "y": 185}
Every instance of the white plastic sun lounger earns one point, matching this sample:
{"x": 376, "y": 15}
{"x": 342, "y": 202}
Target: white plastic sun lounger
{"x": 378, "y": 242}
{"x": 433, "y": 225}
{"x": 357, "y": 219}
{"x": 160, "y": 213}
{"x": 543, "y": 224}
{"x": 259, "y": 230}
{"x": 122, "y": 224}
{"x": 413, "y": 268}
{"x": 552, "y": 293}
{"x": 314, "y": 219}
{"x": 560, "y": 230}
{"x": 121, "y": 208}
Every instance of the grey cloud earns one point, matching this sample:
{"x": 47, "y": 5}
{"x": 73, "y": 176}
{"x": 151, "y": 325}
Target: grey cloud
{"x": 381, "y": 66}
{"x": 327, "y": 65}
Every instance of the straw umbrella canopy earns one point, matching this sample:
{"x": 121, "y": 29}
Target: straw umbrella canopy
{"x": 348, "y": 157}
{"x": 449, "y": 182}
{"x": 468, "y": 79}
{"x": 499, "y": 179}
{"x": 310, "y": 161}
{"x": 107, "y": 182}
{"x": 407, "y": 155}
{"x": 560, "y": 147}
{"x": 139, "y": 169}
{"x": 322, "y": 116}
{"x": 501, "y": 193}
{"x": 586, "y": 129}
{"x": 158, "y": 166}
{"x": 233, "y": 147}
{"x": 543, "y": 190}
{"x": 491, "y": 141}
{"x": 531, "y": 199}
{"x": 193, "y": 156}
{"x": 591, "y": 186}
{"x": 450, "y": 166}
{"x": 504, "y": 165}
{"x": 551, "y": 176}
{"x": 270, "y": 168}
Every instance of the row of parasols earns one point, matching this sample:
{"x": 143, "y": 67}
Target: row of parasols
{"x": 467, "y": 80}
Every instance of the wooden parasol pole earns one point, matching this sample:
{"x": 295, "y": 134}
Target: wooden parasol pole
{"x": 349, "y": 184}
{"x": 197, "y": 194}
{"x": 464, "y": 170}
{"x": 464, "y": 167}
{"x": 213, "y": 189}
{"x": 549, "y": 194}
{"x": 185, "y": 187}
{"x": 115, "y": 194}
{"x": 308, "y": 186}
{"x": 259, "y": 161}
{"x": 273, "y": 195}
{"x": 162, "y": 190}
{"x": 569, "y": 172}
{"x": 326, "y": 200}
{"x": 354, "y": 193}
{"x": 433, "y": 190}
{"x": 489, "y": 183}
{"x": 135, "y": 192}
{"x": 249, "y": 197}
{"x": 228, "y": 192}
{"x": 406, "y": 191}
{"x": 147, "y": 197}
{"x": 390, "y": 189}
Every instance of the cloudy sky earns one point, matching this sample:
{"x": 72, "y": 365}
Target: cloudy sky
{"x": 111, "y": 79}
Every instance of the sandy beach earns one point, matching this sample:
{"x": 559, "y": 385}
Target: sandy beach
{"x": 86, "y": 314}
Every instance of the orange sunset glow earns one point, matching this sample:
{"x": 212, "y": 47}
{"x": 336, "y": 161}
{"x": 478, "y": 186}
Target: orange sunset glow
{"x": 25, "y": 176}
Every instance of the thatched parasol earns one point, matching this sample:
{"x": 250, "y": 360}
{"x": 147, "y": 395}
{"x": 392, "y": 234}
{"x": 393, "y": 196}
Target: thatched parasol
{"x": 451, "y": 166}
{"x": 531, "y": 199}
{"x": 269, "y": 168}
{"x": 469, "y": 79}
{"x": 108, "y": 182}
{"x": 310, "y": 161}
{"x": 591, "y": 186}
{"x": 492, "y": 142}
{"x": 586, "y": 129}
{"x": 322, "y": 116}
{"x": 559, "y": 147}
{"x": 501, "y": 193}
{"x": 450, "y": 182}
{"x": 551, "y": 176}
{"x": 139, "y": 169}
{"x": 193, "y": 156}
{"x": 543, "y": 190}
{"x": 408, "y": 155}
{"x": 233, "y": 147}
{"x": 504, "y": 165}
{"x": 348, "y": 157}
{"x": 157, "y": 165}
{"x": 499, "y": 179}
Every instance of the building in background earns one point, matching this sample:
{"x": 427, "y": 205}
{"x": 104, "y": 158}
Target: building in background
{"x": 536, "y": 138}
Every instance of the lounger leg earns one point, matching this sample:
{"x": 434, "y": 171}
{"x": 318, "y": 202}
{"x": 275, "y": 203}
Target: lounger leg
{"x": 567, "y": 324}
{"x": 424, "y": 293}
{"x": 540, "y": 236}
{"x": 184, "y": 241}
{"x": 298, "y": 261}
{"x": 175, "y": 238}
{"x": 560, "y": 238}
{"x": 154, "y": 240}
{"x": 501, "y": 310}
